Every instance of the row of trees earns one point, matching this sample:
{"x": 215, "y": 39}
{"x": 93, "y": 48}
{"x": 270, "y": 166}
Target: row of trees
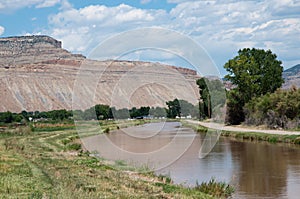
{"x": 174, "y": 108}
{"x": 24, "y": 116}
{"x": 8, "y": 117}
{"x": 104, "y": 112}
{"x": 181, "y": 108}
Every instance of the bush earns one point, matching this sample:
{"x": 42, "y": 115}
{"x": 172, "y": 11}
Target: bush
{"x": 277, "y": 110}
{"x": 106, "y": 130}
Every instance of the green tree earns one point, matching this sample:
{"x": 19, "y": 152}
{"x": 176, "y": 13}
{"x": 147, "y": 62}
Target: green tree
{"x": 102, "y": 111}
{"x": 205, "y": 103}
{"x": 134, "y": 112}
{"x": 144, "y": 111}
{"x": 158, "y": 112}
{"x": 121, "y": 114}
{"x": 174, "y": 109}
{"x": 60, "y": 114}
{"x": 89, "y": 114}
{"x": 25, "y": 115}
{"x": 235, "y": 114}
{"x": 186, "y": 108}
{"x": 6, "y": 117}
{"x": 255, "y": 72}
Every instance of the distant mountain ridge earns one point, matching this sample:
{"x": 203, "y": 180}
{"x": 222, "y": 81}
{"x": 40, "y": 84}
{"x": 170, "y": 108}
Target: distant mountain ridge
{"x": 291, "y": 77}
{"x": 37, "y": 74}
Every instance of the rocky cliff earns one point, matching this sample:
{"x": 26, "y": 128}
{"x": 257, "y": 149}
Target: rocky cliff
{"x": 37, "y": 74}
{"x": 292, "y": 77}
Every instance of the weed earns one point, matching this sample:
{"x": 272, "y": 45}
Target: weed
{"x": 106, "y": 130}
{"x": 73, "y": 147}
{"x": 214, "y": 188}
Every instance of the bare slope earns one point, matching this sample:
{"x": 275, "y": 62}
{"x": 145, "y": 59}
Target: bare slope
{"x": 37, "y": 74}
{"x": 292, "y": 77}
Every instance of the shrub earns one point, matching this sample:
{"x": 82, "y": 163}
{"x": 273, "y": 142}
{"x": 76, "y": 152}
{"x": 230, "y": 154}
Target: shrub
{"x": 106, "y": 130}
{"x": 277, "y": 110}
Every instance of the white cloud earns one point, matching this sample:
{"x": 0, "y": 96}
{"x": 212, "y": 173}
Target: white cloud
{"x": 221, "y": 26}
{"x": 2, "y": 29}
{"x": 92, "y": 24}
{"x": 106, "y": 16}
{"x": 12, "y": 5}
{"x": 227, "y": 26}
{"x": 48, "y": 3}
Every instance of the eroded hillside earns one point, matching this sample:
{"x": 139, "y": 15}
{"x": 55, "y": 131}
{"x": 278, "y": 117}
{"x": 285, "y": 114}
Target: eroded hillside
{"x": 37, "y": 74}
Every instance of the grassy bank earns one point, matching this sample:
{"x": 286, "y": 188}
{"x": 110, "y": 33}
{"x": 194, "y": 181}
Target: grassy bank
{"x": 49, "y": 163}
{"x": 251, "y": 136}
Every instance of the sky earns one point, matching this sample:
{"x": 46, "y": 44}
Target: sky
{"x": 220, "y": 27}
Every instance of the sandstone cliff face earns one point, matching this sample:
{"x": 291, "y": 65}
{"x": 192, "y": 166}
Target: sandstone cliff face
{"x": 19, "y": 51}
{"x": 37, "y": 74}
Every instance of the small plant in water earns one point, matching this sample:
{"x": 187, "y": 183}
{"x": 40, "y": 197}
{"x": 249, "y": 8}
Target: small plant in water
{"x": 214, "y": 188}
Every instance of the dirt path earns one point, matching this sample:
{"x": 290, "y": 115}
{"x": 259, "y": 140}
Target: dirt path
{"x": 241, "y": 129}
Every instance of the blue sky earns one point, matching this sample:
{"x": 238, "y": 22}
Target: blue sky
{"x": 221, "y": 27}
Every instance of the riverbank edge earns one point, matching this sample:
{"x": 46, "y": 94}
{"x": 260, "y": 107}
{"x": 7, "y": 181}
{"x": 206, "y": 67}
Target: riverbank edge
{"x": 209, "y": 189}
{"x": 249, "y": 136}
{"x": 63, "y": 136}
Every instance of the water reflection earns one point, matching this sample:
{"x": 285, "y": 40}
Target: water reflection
{"x": 257, "y": 170}
{"x": 263, "y": 168}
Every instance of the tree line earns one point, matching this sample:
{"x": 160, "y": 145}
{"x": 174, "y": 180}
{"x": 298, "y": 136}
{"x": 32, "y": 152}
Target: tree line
{"x": 175, "y": 108}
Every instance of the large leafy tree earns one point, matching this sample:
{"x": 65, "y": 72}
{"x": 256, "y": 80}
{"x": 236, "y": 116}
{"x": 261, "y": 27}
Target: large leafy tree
{"x": 255, "y": 72}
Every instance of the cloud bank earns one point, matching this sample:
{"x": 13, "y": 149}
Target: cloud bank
{"x": 222, "y": 27}
{"x": 13, "y": 5}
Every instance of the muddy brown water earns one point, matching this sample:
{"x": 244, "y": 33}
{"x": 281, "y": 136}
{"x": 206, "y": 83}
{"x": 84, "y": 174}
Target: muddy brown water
{"x": 256, "y": 170}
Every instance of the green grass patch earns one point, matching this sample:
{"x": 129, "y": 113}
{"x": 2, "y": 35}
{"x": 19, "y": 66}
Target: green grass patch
{"x": 251, "y": 136}
{"x": 50, "y": 129}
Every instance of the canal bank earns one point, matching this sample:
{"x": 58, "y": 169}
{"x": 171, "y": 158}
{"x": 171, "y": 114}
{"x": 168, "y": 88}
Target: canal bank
{"x": 255, "y": 169}
{"x": 240, "y": 133}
